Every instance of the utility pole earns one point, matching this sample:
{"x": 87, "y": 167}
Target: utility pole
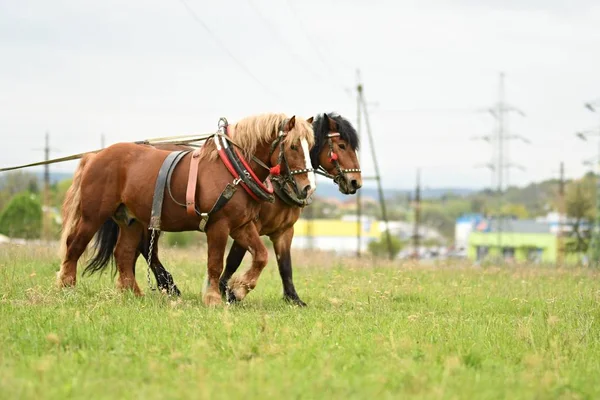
{"x": 594, "y": 247}
{"x": 46, "y": 191}
{"x": 561, "y": 215}
{"x": 362, "y": 105}
{"x": 309, "y": 226}
{"x": 417, "y": 216}
{"x": 45, "y": 216}
{"x": 359, "y": 89}
{"x": 500, "y": 162}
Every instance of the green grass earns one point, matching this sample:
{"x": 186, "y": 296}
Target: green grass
{"x": 388, "y": 332}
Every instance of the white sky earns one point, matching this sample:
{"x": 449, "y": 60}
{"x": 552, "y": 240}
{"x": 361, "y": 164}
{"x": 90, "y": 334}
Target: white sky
{"x": 141, "y": 69}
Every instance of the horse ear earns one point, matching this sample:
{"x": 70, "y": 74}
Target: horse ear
{"x": 332, "y": 124}
{"x": 310, "y": 120}
{"x": 291, "y": 123}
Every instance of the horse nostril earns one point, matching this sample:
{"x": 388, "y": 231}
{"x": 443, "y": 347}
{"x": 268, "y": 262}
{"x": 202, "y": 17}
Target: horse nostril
{"x": 306, "y": 190}
{"x": 354, "y": 183}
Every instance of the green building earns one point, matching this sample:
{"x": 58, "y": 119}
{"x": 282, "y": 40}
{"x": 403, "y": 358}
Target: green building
{"x": 520, "y": 241}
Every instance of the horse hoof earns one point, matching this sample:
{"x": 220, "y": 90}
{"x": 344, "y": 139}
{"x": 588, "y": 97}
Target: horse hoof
{"x": 63, "y": 281}
{"x": 295, "y": 301}
{"x": 174, "y": 291}
{"x": 212, "y": 300}
{"x": 230, "y": 296}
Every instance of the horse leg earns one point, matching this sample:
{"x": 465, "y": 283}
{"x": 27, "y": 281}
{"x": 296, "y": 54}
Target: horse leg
{"x": 216, "y": 237}
{"x": 247, "y": 236}
{"x": 282, "y": 244}
{"x": 234, "y": 259}
{"x": 80, "y": 236}
{"x": 164, "y": 280}
{"x": 126, "y": 255}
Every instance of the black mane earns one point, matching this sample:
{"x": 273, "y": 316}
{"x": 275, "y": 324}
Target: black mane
{"x": 321, "y": 130}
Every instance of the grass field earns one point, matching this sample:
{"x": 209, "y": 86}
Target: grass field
{"x": 369, "y": 332}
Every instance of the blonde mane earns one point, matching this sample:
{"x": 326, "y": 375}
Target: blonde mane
{"x": 252, "y": 131}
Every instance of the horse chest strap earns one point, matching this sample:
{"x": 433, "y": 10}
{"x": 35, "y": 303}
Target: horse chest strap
{"x": 190, "y": 195}
{"x": 166, "y": 168}
{"x": 224, "y": 197}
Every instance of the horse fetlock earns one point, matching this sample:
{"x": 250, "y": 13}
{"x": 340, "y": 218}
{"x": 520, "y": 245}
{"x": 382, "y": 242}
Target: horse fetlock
{"x": 239, "y": 288}
{"x": 212, "y": 299}
{"x": 294, "y": 299}
{"x": 129, "y": 284}
{"x": 64, "y": 279}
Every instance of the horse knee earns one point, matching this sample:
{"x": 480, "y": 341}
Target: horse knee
{"x": 261, "y": 256}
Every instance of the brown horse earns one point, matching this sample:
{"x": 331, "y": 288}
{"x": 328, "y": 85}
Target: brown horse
{"x": 336, "y": 143}
{"x": 114, "y": 184}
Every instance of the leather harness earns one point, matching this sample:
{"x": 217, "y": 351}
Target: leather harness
{"x": 236, "y": 164}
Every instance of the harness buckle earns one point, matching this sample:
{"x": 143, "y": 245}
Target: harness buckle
{"x": 203, "y": 221}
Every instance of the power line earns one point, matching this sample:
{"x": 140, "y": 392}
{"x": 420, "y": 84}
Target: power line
{"x": 282, "y": 41}
{"x": 316, "y": 49}
{"x": 226, "y": 50}
{"x": 430, "y": 110}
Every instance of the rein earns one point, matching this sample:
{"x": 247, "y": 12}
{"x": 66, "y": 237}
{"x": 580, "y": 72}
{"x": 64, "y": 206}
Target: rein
{"x": 175, "y": 140}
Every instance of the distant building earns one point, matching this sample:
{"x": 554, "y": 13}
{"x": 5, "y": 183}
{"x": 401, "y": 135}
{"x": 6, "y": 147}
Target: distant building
{"x": 464, "y": 226}
{"x": 335, "y": 234}
{"x": 521, "y": 240}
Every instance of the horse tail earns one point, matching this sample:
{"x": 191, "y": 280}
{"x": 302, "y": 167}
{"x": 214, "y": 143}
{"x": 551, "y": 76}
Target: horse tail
{"x": 104, "y": 246}
{"x": 71, "y": 208}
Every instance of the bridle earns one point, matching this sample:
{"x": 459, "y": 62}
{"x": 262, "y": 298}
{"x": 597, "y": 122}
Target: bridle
{"x": 282, "y": 181}
{"x": 333, "y": 158}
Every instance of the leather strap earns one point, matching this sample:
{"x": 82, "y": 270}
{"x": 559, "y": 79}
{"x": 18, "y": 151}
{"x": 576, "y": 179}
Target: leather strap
{"x": 190, "y": 195}
{"x": 286, "y": 195}
{"x": 167, "y": 166}
{"x": 225, "y": 196}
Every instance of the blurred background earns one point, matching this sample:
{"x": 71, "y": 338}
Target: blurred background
{"x": 482, "y": 101}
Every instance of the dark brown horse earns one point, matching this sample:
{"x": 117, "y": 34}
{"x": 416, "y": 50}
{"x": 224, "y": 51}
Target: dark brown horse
{"x": 115, "y": 184}
{"x": 334, "y": 153}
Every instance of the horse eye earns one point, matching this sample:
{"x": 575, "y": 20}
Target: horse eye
{"x": 294, "y": 147}
{"x": 342, "y": 146}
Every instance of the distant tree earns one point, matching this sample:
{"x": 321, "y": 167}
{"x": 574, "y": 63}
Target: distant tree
{"x": 478, "y": 204}
{"x": 517, "y": 210}
{"x": 22, "y": 217}
{"x": 379, "y": 248}
{"x": 580, "y": 204}
{"x": 33, "y": 186}
{"x": 442, "y": 217}
{"x": 15, "y": 182}
{"x": 59, "y": 190}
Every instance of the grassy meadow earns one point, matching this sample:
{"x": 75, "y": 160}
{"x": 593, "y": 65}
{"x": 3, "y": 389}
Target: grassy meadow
{"x": 371, "y": 330}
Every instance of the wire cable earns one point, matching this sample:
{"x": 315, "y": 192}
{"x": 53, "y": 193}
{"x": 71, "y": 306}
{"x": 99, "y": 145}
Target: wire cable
{"x": 227, "y": 51}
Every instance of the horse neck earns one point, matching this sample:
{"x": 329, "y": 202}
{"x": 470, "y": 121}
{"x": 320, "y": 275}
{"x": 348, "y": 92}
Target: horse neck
{"x": 262, "y": 153}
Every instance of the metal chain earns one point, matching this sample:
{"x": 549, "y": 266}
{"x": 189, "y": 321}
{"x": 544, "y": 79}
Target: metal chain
{"x": 149, "y": 260}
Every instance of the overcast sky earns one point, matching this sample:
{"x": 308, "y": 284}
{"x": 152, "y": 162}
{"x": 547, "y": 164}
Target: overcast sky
{"x": 141, "y": 69}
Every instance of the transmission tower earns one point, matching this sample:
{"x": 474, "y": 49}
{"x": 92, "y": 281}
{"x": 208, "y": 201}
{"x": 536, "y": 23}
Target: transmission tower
{"x": 363, "y": 111}
{"x": 501, "y": 164}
